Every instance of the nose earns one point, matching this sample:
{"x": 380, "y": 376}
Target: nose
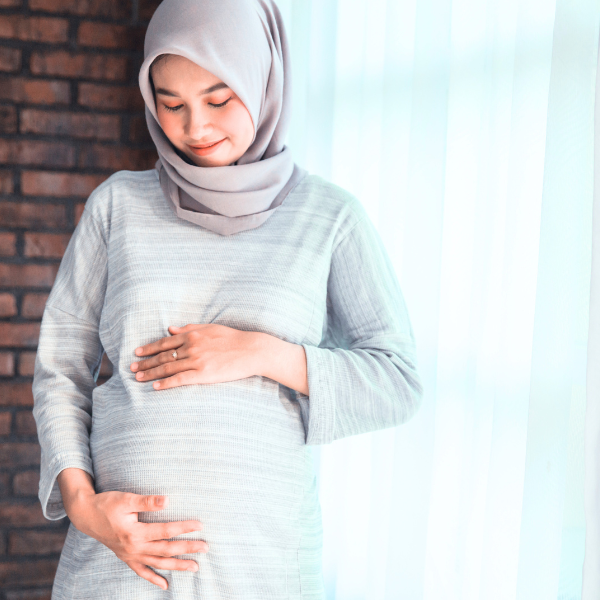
{"x": 198, "y": 124}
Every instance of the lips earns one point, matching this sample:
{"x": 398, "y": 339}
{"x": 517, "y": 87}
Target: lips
{"x": 205, "y": 149}
{"x": 202, "y": 146}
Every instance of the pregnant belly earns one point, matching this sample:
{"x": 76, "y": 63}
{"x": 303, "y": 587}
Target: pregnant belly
{"x": 230, "y": 455}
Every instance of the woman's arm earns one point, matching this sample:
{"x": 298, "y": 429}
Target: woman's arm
{"x": 112, "y": 519}
{"x": 363, "y": 376}
{"x": 67, "y": 362}
{"x": 281, "y": 361}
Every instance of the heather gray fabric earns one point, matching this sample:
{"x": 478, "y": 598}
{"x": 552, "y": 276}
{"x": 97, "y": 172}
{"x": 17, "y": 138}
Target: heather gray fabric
{"x": 243, "y": 43}
{"x": 233, "y": 455}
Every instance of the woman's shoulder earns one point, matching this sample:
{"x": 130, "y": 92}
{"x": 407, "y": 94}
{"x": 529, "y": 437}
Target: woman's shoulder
{"x": 127, "y": 183}
{"x": 331, "y": 201}
{"x": 122, "y": 186}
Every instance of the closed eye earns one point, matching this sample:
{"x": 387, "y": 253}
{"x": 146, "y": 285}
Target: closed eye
{"x": 173, "y": 108}
{"x": 222, "y": 103}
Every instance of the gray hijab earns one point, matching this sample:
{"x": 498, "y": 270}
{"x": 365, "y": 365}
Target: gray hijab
{"x": 243, "y": 43}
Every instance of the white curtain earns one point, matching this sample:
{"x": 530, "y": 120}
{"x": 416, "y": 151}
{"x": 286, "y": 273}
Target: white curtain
{"x": 591, "y": 572}
{"x": 465, "y": 127}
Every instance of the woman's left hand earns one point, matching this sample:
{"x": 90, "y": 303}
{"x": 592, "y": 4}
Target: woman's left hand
{"x": 207, "y": 353}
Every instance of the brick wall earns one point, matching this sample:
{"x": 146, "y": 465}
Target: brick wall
{"x": 70, "y": 115}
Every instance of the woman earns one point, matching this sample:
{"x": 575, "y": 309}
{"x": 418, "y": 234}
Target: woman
{"x": 249, "y": 310}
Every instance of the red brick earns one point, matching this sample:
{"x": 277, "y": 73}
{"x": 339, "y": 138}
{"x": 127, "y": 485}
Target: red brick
{"x": 19, "y": 334}
{"x": 34, "y": 91}
{"x": 7, "y": 364}
{"x": 8, "y": 305}
{"x": 111, "y": 97}
{"x": 25, "y": 423}
{"x": 36, "y": 542}
{"x": 27, "y": 275}
{"x": 6, "y": 182}
{"x": 89, "y": 66}
{"x": 4, "y": 484}
{"x": 38, "y": 183}
{"x": 26, "y": 483}
{"x": 8, "y": 120}
{"x": 147, "y": 8}
{"x": 29, "y": 215}
{"x": 30, "y": 572}
{"x": 14, "y": 514}
{"x": 16, "y": 394}
{"x": 46, "y": 245}
{"x": 81, "y": 125}
{"x": 117, "y": 9}
{"x": 79, "y": 211}
{"x": 32, "y": 306}
{"x": 26, "y": 363}
{"x": 49, "y": 154}
{"x": 10, "y": 59}
{"x": 107, "y": 35}
{"x": 8, "y": 242}
{"x": 138, "y": 131}
{"x": 34, "y": 29}
{"x": 5, "y": 423}
{"x": 38, "y": 594}
{"x": 116, "y": 158}
{"x": 19, "y": 454}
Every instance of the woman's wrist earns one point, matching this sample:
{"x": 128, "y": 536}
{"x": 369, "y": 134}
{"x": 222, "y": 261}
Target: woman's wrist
{"x": 76, "y": 488}
{"x": 281, "y": 361}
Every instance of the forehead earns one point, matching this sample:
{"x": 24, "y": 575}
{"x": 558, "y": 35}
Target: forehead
{"x": 178, "y": 69}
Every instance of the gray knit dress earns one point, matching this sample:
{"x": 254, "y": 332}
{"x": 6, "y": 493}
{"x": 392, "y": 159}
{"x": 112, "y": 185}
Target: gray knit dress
{"x": 232, "y": 455}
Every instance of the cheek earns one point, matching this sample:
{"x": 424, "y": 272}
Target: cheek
{"x": 170, "y": 124}
{"x": 240, "y": 124}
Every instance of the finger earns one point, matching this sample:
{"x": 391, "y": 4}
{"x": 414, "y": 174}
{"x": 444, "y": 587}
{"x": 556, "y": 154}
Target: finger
{"x": 139, "y": 503}
{"x": 164, "y": 531}
{"x": 165, "y": 343}
{"x": 147, "y": 573}
{"x": 166, "y": 368}
{"x": 145, "y": 364}
{"x": 182, "y": 378}
{"x": 170, "y": 564}
{"x": 162, "y": 365}
{"x": 175, "y": 548}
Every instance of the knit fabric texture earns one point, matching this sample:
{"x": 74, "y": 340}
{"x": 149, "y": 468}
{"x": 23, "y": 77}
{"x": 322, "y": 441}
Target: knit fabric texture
{"x": 233, "y": 455}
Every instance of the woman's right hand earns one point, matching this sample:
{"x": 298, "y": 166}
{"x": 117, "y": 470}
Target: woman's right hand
{"x": 112, "y": 519}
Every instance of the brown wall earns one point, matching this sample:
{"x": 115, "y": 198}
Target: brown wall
{"x": 70, "y": 115}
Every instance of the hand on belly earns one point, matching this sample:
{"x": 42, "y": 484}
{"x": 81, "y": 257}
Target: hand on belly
{"x": 207, "y": 353}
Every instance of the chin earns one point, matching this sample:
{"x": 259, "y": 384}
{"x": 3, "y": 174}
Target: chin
{"x": 212, "y": 161}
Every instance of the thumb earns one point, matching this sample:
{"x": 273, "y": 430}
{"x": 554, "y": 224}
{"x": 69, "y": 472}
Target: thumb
{"x": 140, "y": 503}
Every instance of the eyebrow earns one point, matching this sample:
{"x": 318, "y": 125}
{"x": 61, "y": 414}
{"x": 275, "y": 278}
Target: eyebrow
{"x": 212, "y": 88}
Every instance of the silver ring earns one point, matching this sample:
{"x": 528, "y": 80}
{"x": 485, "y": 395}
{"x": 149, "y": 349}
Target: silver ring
{"x": 174, "y": 355}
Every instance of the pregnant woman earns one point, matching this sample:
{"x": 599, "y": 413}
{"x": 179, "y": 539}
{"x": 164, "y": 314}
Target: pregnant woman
{"x": 249, "y": 310}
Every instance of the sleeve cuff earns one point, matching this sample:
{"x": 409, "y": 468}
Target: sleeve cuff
{"x": 318, "y": 409}
{"x": 49, "y": 492}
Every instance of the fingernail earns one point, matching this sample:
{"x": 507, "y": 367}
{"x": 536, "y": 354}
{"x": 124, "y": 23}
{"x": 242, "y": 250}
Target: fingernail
{"x": 138, "y": 350}
{"x": 159, "y": 500}
{"x": 139, "y": 375}
{"x": 134, "y": 366}
{"x": 193, "y": 567}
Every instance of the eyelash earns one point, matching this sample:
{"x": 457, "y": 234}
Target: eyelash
{"x": 176, "y": 108}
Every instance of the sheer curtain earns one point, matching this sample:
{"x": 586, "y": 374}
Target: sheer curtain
{"x": 465, "y": 127}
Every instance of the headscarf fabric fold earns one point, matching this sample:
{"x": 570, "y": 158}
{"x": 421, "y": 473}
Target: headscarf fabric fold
{"x": 244, "y": 44}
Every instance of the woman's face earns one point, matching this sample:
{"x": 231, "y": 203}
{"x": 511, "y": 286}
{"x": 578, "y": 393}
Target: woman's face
{"x": 201, "y": 116}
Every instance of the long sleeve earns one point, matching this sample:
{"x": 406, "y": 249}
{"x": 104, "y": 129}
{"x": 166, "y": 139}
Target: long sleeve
{"x": 68, "y": 359}
{"x": 362, "y": 377}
